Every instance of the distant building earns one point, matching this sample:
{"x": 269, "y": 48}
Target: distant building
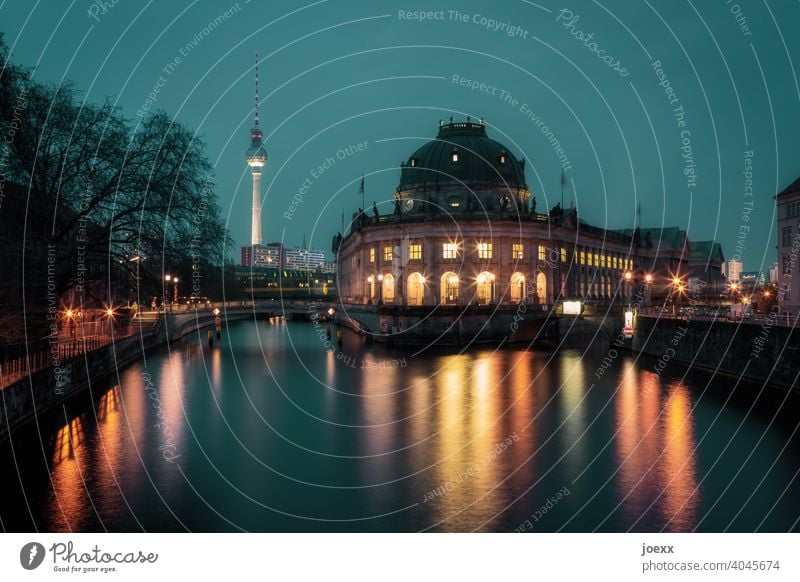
{"x": 750, "y": 281}
{"x": 733, "y": 270}
{"x": 705, "y": 264}
{"x": 773, "y": 274}
{"x": 247, "y": 256}
{"x": 304, "y": 259}
{"x": 276, "y": 283}
{"x": 270, "y": 255}
{"x": 788, "y": 215}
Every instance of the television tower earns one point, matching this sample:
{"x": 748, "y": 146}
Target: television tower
{"x": 256, "y": 158}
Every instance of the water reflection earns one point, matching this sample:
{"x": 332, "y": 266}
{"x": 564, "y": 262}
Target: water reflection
{"x": 374, "y": 440}
{"x": 68, "y": 506}
{"x": 655, "y": 452}
{"x": 678, "y": 472}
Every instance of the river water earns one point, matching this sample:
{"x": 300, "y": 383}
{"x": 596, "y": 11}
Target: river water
{"x": 269, "y": 431}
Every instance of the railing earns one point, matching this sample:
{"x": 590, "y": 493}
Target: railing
{"x": 63, "y": 348}
{"x": 684, "y": 313}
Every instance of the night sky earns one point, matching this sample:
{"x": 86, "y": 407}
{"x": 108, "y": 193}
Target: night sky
{"x": 337, "y": 73}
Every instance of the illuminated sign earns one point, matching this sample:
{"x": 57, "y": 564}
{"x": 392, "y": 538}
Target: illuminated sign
{"x": 572, "y": 307}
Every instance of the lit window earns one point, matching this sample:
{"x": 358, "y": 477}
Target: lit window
{"x": 596, "y": 260}
{"x": 517, "y": 251}
{"x": 603, "y": 261}
{"x": 415, "y": 252}
{"x": 583, "y": 258}
{"x": 484, "y": 250}
{"x": 563, "y": 255}
{"x": 372, "y": 255}
{"x": 413, "y": 162}
{"x": 542, "y": 253}
{"x": 503, "y": 158}
{"x": 450, "y": 251}
{"x": 589, "y": 259}
{"x": 455, "y": 156}
{"x": 387, "y": 254}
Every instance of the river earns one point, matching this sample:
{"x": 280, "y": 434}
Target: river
{"x": 269, "y": 431}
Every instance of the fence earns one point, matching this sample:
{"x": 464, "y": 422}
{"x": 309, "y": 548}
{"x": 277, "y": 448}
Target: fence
{"x": 62, "y": 349}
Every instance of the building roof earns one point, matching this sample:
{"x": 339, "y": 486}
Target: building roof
{"x": 705, "y": 250}
{"x": 792, "y": 188}
{"x": 670, "y": 237}
{"x": 482, "y": 161}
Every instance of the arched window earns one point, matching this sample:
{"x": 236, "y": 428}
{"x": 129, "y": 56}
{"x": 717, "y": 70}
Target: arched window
{"x": 449, "y": 288}
{"x": 517, "y": 287}
{"x": 541, "y": 288}
{"x": 485, "y": 291}
{"x": 416, "y": 289}
{"x": 388, "y": 289}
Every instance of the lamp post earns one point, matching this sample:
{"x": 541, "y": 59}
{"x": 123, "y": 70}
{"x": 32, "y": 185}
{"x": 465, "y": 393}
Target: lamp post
{"x": 628, "y": 278}
{"x": 167, "y": 278}
{"x": 175, "y": 297}
{"x": 648, "y": 280}
{"x": 380, "y": 289}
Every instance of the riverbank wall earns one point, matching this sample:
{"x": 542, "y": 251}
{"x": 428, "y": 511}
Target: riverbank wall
{"x": 44, "y": 389}
{"x": 761, "y": 353}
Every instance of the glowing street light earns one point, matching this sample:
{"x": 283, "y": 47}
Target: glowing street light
{"x": 628, "y": 275}
{"x": 648, "y": 278}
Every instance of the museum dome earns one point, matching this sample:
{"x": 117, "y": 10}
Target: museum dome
{"x": 462, "y": 155}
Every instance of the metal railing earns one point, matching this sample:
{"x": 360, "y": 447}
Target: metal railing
{"x": 63, "y": 348}
{"x": 684, "y": 313}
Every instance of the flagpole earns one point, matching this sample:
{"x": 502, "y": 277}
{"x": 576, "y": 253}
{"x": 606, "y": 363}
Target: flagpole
{"x": 562, "y": 187}
{"x": 363, "y": 204}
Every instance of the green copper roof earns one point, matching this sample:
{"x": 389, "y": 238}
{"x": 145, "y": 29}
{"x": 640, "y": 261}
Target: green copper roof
{"x": 481, "y": 161}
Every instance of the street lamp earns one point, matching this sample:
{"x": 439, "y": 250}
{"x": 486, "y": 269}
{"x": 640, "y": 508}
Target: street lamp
{"x": 628, "y": 278}
{"x": 678, "y": 287}
{"x": 380, "y": 289}
{"x": 167, "y": 278}
{"x": 175, "y": 299}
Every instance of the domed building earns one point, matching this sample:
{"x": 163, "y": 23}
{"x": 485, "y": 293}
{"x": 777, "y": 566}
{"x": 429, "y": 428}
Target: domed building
{"x": 467, "y": 248}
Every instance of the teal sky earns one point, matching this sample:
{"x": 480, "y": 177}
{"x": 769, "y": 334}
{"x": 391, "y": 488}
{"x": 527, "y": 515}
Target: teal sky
{"x": 340, "y": 72}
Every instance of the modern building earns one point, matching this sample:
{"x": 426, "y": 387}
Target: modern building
{"x": 788, "y": 218}
{"x": 465, "y": 231}
{"x": 304, "y": 259}
{"x": 270, "y": 255}
{"x": 247, "y": 256}
{"x": 733, "y": 270}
